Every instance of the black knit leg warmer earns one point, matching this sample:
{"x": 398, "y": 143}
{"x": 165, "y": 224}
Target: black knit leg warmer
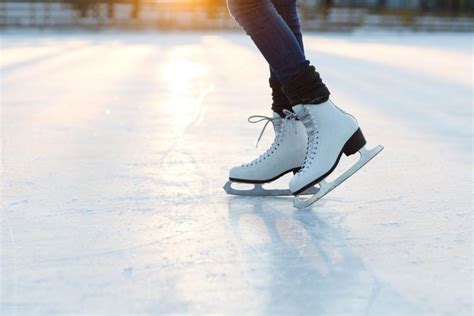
{"x": 280, "y": 100}
{"x": 306, "y": 88}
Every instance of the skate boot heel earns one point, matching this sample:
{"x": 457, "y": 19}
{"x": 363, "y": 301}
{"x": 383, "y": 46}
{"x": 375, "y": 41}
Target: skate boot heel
{"x": 355, "y": 143}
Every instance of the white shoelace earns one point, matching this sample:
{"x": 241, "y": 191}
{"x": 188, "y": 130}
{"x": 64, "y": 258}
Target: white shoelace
{"x": 277, "y": 122}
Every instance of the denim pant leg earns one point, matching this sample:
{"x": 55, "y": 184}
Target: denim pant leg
{"x": 272, "y": 36}
{"x": 288, "y": 11}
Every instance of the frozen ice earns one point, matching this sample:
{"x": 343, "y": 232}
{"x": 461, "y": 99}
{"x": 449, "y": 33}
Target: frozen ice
{"x": 115, "y": 147}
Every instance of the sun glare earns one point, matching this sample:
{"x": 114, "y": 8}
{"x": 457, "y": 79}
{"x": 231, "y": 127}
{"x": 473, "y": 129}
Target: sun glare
{"x": 186, "y": 83}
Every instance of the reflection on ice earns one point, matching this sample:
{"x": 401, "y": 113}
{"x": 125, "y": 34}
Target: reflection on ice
{"x": 298, "y": 263}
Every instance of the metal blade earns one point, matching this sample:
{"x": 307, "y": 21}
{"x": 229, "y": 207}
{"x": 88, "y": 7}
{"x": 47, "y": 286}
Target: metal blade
{"x": 259, "y": 190}
{"x": 326, "y": 187}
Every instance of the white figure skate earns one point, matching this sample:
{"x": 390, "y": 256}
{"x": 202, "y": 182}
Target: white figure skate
{"x": 331, "y": 132}
{"x": 286, "y": 154}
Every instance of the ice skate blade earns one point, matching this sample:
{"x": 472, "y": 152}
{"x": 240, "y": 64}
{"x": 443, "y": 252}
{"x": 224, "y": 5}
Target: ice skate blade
{"x": 259, "y": 190}
{"x": 326, "y": 187}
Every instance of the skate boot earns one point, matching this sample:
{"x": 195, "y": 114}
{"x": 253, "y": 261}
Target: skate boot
{"x": 286, "y": 154}
{"x": 331, "y": 133}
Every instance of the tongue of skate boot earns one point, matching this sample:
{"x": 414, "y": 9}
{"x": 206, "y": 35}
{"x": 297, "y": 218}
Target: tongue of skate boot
{"x": 299, "y": 110}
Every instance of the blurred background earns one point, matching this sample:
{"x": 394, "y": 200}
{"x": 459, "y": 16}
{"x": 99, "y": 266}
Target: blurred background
{"x": 426, "y": 15}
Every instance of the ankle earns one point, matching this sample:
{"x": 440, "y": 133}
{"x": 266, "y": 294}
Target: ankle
{"x": 306, "y": 88}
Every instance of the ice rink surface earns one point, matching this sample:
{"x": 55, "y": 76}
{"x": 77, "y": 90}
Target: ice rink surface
{"x": 116, "y": 147}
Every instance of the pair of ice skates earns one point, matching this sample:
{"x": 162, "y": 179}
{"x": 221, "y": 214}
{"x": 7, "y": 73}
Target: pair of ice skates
{"x": 309, "y": 143}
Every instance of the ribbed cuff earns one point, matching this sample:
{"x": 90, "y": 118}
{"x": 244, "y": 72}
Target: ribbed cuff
{"x": 280, "y": 100}
{"x": 306, "y": 88}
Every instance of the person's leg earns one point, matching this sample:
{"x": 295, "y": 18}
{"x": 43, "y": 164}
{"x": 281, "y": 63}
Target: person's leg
{"x": 280, "y": 101}
{"x": 280, "y": 47}
{"x": 271, "y": 35}
{"x": 287, "y": 10}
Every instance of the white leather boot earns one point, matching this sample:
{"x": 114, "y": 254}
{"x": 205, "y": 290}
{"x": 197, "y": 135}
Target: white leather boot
{"x": 286, "y": 154}
{"x": 331, "y": 132}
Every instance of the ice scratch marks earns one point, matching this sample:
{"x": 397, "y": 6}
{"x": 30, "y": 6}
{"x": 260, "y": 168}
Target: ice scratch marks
{"x": 373, "y": 296}
{"x": 5, "y": 215}
{"x": 32, "y": 66}
{"x": 31, "y": 60}
{"x": 10, "y": 229}
{"x": 18, "y": 202}
{"x": 137, "y": 246}
{"x": 12, "y": 293}
{"x": 397, "y": 199}
{"x": 390, "y": 224}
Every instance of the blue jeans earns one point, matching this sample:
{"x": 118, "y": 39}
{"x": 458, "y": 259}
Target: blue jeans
{"x": 274, "y": 27}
